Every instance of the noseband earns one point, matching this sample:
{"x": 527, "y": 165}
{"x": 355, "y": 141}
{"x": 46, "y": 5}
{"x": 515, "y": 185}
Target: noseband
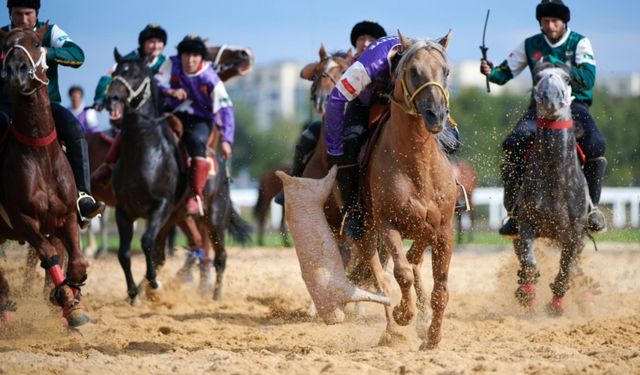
{"x": 144, "y": 88}
{"x": 32, "y": 72}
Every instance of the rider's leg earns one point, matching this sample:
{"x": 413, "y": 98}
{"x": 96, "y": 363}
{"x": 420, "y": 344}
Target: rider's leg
{"x": 348, "y": 177}
{"x": 303, "y": 151}
{"x": 70, "y": 131}
{"x": 195, "y": 137}
{"x": 103, "y": 172}
{"x": 514, "y": 149}
{"x": 593, "y": 145}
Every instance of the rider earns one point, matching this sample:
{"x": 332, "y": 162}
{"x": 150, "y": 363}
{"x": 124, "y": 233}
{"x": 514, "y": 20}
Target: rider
{"x": 362, "y": 35}
{"x": 87, "y": 116}
{"x": 365, "y": 82}
{"x": 61, "y": 50}
{"x": 557, "y": 44}
{"x": 197, "y": 95}
{"x": 151, "y": 42}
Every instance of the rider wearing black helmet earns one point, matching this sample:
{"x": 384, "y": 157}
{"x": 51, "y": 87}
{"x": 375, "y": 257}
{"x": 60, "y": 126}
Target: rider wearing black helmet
{"x": 60, "y": 50}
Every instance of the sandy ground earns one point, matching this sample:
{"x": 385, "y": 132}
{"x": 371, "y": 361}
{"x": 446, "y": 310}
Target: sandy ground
{"x": 261, "y": 327}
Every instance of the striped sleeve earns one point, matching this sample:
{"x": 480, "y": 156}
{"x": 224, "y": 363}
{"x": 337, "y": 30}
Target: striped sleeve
{"x": 63, "y": 50}
{"x": 515, "y": 63}
{"x": 224, "y": 117}
{"x": 584, "y": 73}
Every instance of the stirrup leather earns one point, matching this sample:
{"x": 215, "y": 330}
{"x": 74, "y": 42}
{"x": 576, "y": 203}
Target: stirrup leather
{"x": 200, "y": 207}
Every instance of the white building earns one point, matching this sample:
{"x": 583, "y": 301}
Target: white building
{"x": 273, "y": 91}
{"x": 620, "y": 86}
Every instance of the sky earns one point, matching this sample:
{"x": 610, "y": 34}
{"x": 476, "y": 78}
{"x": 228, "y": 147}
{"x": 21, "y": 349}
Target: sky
{"x": 278, "y": 30}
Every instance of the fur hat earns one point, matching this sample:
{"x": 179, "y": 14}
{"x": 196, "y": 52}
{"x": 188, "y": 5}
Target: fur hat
{"x": 152, "y": 31}
{"x": 193, "y": 43}
{"x": 366, "y": 28}
{"x": 553, "y": 8}
{"x": 33, "y": 4}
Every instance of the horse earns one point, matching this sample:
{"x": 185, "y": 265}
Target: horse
{"x": 268, "y": 187}
{"x": 553, "y": 200}
{"x": 410, "y": 190}
{"x": 38, "y": 192}
{"x": 324, "y": 74}
{"x": 229, "y": 62}
{"x": 149, "y": 160}
{"x": 466, "y": 177}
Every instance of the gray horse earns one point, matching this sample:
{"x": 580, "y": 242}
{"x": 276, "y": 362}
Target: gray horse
{"x": 553, "y": 201}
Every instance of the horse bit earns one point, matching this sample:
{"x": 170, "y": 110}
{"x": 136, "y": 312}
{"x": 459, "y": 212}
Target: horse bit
{"x": 32, "y": 72}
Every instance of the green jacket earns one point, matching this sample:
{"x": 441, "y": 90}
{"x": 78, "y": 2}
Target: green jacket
{"x": 105, "y": 81}
{"x": 572, "y": 49}
{"x": 61, "y": 51}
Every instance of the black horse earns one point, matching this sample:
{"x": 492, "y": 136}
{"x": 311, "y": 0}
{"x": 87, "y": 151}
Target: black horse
{"x": 150, "y": 183}
{"x": 552, "y": 202}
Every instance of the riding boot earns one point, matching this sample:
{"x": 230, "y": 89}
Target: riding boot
{"x": 511, "y": 177}
{"x": 348, "y": 180}
{"x": 199, "y": 174}
{"x": 103, "y": 173}
{"x": 594, "y": 172}
{"x": 296, "y": 171}
{"x": 78, "y": 155}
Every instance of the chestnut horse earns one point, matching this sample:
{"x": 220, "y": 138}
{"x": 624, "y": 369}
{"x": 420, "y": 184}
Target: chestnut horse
{"x": 268, "y": 187}
{"x": 466, "y": 177}
{"x": 38, "y": 192}
{"x": 410, "y": 187}
{"x": 229, "y": 62}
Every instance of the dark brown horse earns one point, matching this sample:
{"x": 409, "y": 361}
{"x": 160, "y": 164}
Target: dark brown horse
{"x": 38, "y": 193}
{"x": 269, "y": 186}
{"x": 467, "y": 178}
{"x": 410, "y": 186}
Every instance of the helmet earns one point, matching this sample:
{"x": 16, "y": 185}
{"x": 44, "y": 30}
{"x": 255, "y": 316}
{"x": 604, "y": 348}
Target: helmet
{"x": 193, "y": 43}
{"x": 366, "y": 28}
{"x": 152, "y": 31}
{"x": 553, "y": 8}
{"x": 33, "y": 4}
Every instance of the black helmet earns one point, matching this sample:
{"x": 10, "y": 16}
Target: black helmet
{"x": 33, "y": 4}
{"x": 193, "y": 43}
{"x": 152, "y": 31}
{"x": 366, "y": 28}
{"x": 553, "y": 8}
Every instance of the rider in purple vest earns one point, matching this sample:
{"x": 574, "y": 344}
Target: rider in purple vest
{"x": 367, "y": 81}
{"x": 199, "y": 99}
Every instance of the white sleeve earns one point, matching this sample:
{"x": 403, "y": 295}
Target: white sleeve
{"x": 220, "y": 97}
{"x": 92, "y": 119}
{"x": 353, "y": 81}
{"x": 517, "y": 60}
{"x": 584, "y": 53}
{"x": 163, "y": 77}
{"x": 58, "y": 37}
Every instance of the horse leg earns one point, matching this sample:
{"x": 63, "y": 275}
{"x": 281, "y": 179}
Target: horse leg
{"x": 459, "y": 229}
{"x": 125, "y": 231}
{"x": 260, "y": 218}
{"x": 104, "y": 218}
{"x": 284, "y": 230}
{"x": 6, "y": 305}
{"x": 568, "y": 260}
{"x": 205, "y": 285}
{"x": 216, "y": 238}
{"x": 76, "y": 270}
{"x": 148, "y": 242}
{"x": 403, "y": 272}
{"x": 194, "y": 237}
{"x": 415, "y": 256}
{"x": 528, "y": 273}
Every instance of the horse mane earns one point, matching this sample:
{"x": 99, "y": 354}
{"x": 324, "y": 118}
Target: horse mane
{"x": 418, "y": 45}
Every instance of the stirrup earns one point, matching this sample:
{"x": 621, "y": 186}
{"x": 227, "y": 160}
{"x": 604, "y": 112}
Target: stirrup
{"x": 84, "y": 221}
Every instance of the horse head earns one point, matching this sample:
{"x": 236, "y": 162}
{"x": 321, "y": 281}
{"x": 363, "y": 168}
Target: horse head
{"x": 24, "y": 63}
{"x": 324, "y": 74}
{"x": 130, "y": 87}
{"x": 552, "y": 91}
{"x": 230, "y": 61}
{"x": 421, "y": 81}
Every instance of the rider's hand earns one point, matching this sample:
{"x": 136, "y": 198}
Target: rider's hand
{"x": 225, "y": 150}
{"x": 485, "y": 67}
{"x": 179, "y": 94}
{"x": 98, "y": 107}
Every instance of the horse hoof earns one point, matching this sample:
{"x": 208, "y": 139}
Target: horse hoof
{"x": 429, "y": 345}
{"x": 153, "y": 294}
{"x": 402, "y": 315}
{"x": 555, "y": 307}
{"x": 217, "y": 294}
{"x": 77, "y": 317}
{"x": 526, "y": 294}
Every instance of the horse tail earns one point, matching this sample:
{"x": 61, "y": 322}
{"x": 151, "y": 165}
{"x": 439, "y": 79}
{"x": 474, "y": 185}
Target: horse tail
{"x": 239, "y": 228}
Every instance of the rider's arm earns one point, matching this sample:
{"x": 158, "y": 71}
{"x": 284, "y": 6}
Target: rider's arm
{"x": 224, "y": 117}
{"x": 583, "y": 73}
{"x": 351, "y": 84}
{"x": 511, "y": 67}
{"x": 163, "y": 77}
{"x": 63, "y": 50}
{"x": 101, "y": 90}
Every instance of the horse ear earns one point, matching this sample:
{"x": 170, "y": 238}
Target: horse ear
{"x": 445, "y": 40}
{"x": 308, "y": 71}
{"x": 116, "y": 55}
{"x": 405, "y": 42}
{"x": 42, "y": 30}
{"x": 323, "y": 53}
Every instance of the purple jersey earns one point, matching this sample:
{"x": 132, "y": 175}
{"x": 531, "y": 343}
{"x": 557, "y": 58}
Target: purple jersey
{"x": 357, "y": 82}
{"x": 205, "y": 91}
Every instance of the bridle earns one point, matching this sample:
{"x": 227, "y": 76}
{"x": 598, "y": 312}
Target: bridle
{"x": 410, "y": 106}
{"x": 33, "y": 71}
{"x": 326, "y": 73}
{"x": 143, "y": 89}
